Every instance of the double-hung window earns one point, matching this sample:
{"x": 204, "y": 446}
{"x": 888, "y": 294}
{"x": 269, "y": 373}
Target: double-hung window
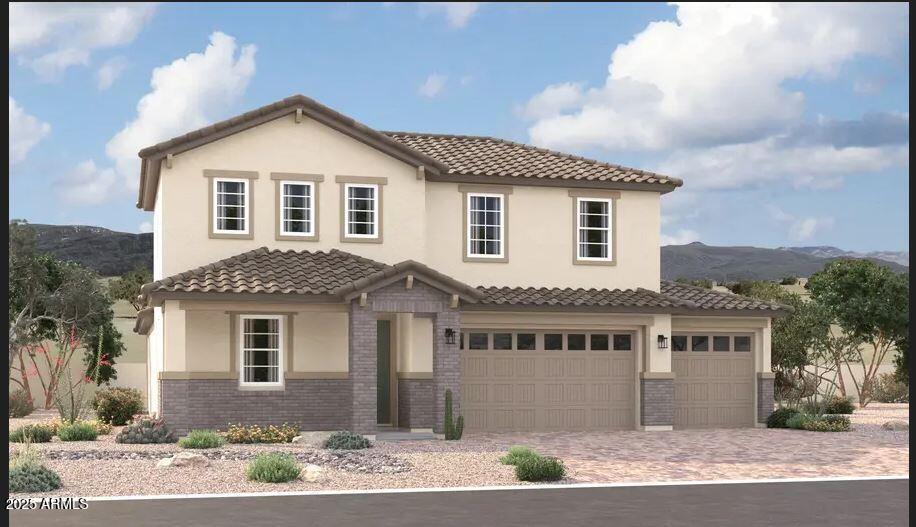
{"x": 297, "y": 208}
{"x": 594, "y": 229}
{"x": 230, "y": 206}
{"x": 362, "y": 210}
{"x": 486, "y": 225}
{"x": 261, "y": 345}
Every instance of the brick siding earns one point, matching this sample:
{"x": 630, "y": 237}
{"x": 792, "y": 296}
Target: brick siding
{"x": 656, "y": 402}
{"x": 765, "y": 398}
{"x": 415, "y": 403}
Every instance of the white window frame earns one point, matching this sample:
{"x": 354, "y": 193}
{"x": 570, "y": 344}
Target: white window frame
{"x": 246, "y": 208}
{"x": 310, "y": 208}
{"x": 281, "y": 351}
{"x": 375, "y": 210}
{"x": 470, "y": 226}
{"x": 609, "y": 229}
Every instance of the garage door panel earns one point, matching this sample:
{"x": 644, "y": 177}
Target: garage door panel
{"x": 713, "y": 389}
{"x": 548, "y": 390}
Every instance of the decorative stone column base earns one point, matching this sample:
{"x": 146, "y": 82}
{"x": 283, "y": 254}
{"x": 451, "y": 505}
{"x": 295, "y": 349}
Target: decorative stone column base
{"x": 656, "y": 400}
{"x": 415, "y": 403}
{"x": 765, "y": 395}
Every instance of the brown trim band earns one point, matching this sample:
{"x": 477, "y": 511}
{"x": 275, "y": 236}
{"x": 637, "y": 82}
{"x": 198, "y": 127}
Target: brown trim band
{"x": 197, "y": 375}
{"x": 236, "y": 174}
{"x": 766, "y": 375}
{"x": 485, "y": 189}
{"x": 417, "y": 375}
{"x": 361, "y": 180}
{"x": 317, "y": 375}
{"x": 650, "y": 375}
{"x": 294, "y": 176}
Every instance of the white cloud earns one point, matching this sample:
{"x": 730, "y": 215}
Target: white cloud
{"x": 51, "y": 37}
{"x": 681, "y": 237}
{"x": 26, "y": 131}
{"x": 715, "y": 76}
{"x": 187, "y": 94}
{"x": 800, "y": 229}
{"x": 109, "y": 72}
{"x": 458, "y": 14}
{"x": 87, "y": 184}
{"x": 433, "y": 85}
{"x": 554, "y": 100}
{"x": 146, "y": 227}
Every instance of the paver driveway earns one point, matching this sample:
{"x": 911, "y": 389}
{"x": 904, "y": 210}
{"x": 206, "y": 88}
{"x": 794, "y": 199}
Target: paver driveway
{"x": 726, "y": 454}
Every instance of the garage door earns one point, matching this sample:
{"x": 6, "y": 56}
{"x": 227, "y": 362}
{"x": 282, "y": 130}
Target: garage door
{"x": 713, "y": 380}
{"x": 547, "y": 380}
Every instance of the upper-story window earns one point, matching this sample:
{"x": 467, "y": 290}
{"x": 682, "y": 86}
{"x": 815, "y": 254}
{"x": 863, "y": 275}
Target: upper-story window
{"x": 594, "y": 229}
{"x": 361, "y": 213}
{"x": 297, "y": 208}
{"x": 231, "y": 206}
{"x": 486, "y": 225}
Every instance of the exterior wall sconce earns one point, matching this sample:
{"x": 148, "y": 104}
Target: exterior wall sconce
{"x": 662, "y": 342}
{"x": 449, "y": 336}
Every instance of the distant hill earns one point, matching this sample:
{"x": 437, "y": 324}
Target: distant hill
{"x": 727, "y": 264}
{"x": 112, "y": 253}
{"x": 826, "y": 251}
{"x": 107, "y": 252}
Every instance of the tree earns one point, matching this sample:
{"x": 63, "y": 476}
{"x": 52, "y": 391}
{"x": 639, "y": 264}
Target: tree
{"x": 902, "y": 361}
{"x": 54, "y": 303}
{"x": 127, "y": 287}
{"x": 761, "y": 289}
{"x": 871, "y": 304}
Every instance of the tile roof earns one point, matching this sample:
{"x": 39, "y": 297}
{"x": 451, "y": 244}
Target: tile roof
{"x": 488, "y": 156}
{"x": 707, "y": 299}
{"x": 568, "y": 297}
{"x": 266, "y": 271}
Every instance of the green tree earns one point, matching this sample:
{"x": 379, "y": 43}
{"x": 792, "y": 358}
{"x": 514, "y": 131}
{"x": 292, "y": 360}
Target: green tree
{"x": 54, "y": 302}
{"x": 871, "y": 304}
{"x": 761, "y": 289}
{"x": 127, "y": 287}
{"x": 902, "y": 360}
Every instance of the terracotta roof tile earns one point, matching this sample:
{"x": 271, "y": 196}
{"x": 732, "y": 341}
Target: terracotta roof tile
{"x": 707, "y": 299}
{"x": 488, "y": 156}
{"x": 568, "y": 297}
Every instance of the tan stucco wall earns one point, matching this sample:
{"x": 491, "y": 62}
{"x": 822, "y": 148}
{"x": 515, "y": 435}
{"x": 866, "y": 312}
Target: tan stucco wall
{"x": 207, "y": 341}
{"x": 320, "y": 342}
{"x": 420, "y": 220}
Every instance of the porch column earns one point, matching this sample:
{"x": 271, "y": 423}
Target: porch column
{"x": 363, "y": 366}
{"x": 766, "y": 379}
{"x": 446, "y": 366}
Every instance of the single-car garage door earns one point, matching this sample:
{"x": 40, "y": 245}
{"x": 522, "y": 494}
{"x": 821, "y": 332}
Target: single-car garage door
{"x": 547, "y": 380}
{"x": 713, "y": 380}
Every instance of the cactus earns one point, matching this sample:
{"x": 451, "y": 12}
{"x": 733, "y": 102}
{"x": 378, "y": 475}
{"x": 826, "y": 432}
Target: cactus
{"x": 147, "y": 430}
{"x": 452, "y": 429}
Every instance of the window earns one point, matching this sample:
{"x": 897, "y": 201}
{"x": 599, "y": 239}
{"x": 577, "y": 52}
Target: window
{"x": 699, "y": 343}
{"x": 593, "y": 234}
{"x": 599, "y": 342}
{"x": 361, "y": 210}
{"x": 623, "y": 342}
{"x": 230, "y": 210}
{"x": 679, "y": 343}
{"x": 721, "y": 343}
{"x": 526, "y": 341}
{"x": 479, "y": 341}
{"x": 575, "y": 342}
{"x": 297, "y": 205}
{"x": 553, "y": 341}
{"x": 502, "y": 341}
{"x": 486, "y": 227}
{"x": 261, "y": 350}
{"x": 742, "y": 343}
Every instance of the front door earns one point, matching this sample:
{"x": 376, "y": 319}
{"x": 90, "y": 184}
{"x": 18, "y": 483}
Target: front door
{"x": 384, "y": 371}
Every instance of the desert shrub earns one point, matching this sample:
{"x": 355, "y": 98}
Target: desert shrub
{"x": 117, "y": 406}
{"x": 77, "y": 431}
{"x": 273, "y": 467}
{"x": 101, "y": 428}
{"x": 890, "y": 390}
{"x": 201, "y": 439}
{"x": 32, "y": 478}
{"x": 20, "y": 404}
{"x": 146, "y": 429}
{"x": 839, "y": 405}
{"x": 778, "y": 418}
{"x": 539, "y": 468}
{"x": 255, "y": 434}
{"x": 25, "y": 455}
{"x": 347, "y": 441}
{"x": 32, "y": 433}
{"x": 827, "y": 423}
{"x": 516, "y": 454}
{"x": 797, "y": 421}
{"x": 789, "y": 280}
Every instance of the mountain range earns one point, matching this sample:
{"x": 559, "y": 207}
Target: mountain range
{"x": 112, "y": 253}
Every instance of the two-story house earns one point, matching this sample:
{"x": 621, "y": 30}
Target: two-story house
{"x": 312, "y": 270}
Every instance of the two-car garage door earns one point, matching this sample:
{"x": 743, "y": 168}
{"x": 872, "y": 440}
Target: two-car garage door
{"x": 547, "y": 380}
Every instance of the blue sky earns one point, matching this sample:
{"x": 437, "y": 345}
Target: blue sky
{"x": 789, "y": 124}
